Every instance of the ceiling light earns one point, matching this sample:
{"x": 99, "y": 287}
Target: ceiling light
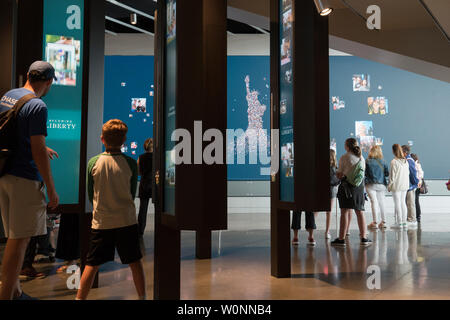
{"x": 323, "y": 7}
{"x": 133, "y": 18}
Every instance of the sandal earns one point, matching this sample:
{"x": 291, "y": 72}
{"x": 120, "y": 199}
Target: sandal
{"x": 62, "y": 269}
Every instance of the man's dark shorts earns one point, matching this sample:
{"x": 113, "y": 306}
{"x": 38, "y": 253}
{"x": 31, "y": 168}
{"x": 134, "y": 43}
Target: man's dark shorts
{"x": 104, "y": 242}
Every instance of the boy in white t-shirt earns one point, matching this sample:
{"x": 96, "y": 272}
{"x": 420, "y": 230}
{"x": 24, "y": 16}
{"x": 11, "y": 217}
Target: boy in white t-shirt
{"x": 112, "y": 183}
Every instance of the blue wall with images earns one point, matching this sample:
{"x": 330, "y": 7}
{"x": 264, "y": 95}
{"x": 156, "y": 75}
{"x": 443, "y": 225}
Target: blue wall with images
{"x": 257, "y": 68}
{"x": 418, "y": 106}
{"x": 127, "y": 78}
{"x": 419, "y": 111}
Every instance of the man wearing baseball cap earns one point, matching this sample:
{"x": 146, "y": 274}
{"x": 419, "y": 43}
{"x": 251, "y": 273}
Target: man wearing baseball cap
{"x": 23, "y": 204}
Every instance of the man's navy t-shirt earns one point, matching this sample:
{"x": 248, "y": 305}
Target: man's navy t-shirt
{"x": 32, "y": 121}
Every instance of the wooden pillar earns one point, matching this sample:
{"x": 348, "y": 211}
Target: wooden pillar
{"x": 190, "y": 92}
{"x": 8, "y": 20}
{"x": 203, "y": 244}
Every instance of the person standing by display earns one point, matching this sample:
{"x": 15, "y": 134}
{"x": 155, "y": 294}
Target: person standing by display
{"x": 351, "y": 197}
{"x": 310, "y": 226}
{"x": 112, "y": 183}
{"x": 398, "y": 185}
{"x": 376, "y": 173}
{"x": 25, "y": 177}
{"x": 413, "y": 185}
{"x": 334, "y": 183}
{"x": 145, "y": 165}
{"x": 420, "y": 176}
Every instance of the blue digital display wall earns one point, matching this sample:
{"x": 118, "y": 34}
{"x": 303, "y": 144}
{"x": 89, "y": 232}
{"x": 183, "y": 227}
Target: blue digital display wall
{"x": 248, "y": 109}
{"x": 63, "y": 47}
{"x": 129, "y": 90}
{"x": 380, "y": 104}
{"x": 376, "y": 102}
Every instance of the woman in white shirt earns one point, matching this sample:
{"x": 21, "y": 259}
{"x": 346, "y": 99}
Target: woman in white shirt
{"x": 399, "y": 185}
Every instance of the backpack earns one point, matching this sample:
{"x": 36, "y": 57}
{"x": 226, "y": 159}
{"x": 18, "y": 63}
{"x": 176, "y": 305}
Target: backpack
{"x": 357, "y": 175}
{"x": 8, "y": 131}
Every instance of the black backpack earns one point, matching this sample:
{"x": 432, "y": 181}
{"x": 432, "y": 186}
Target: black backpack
{"x": 8, "y": 131}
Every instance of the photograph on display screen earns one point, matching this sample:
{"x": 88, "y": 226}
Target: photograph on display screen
{"x": 337, "y": 103}
{"x": 288, "y": 76}
{"x": 378, "y": 105}
{"x": 139, "y": 105}
{"x": 361, "y": 82}
{"x": 63, "y": 53}
{"x": 285, "y": 51}
{"x": 171, "y": 20}
{"x": 283, "y": 106}
{"x": 287, "y": 4}
{"x": 287, "y": 19}
{"x": 170, "y": 167}
{"x": 367, "y": 142}
{"x": 287, "y": 159}
{"x": 363, "y": 128}
{"x": 379, "y": 141}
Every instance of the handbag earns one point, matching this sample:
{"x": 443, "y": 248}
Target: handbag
{"x": 423, "y": 188}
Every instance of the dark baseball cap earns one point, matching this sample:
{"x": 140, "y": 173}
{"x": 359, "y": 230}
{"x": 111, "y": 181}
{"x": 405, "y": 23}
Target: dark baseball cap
{"x": 45, "y": 69}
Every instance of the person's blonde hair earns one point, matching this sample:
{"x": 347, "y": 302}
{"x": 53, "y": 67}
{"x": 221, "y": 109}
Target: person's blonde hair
{"x": 398, "y": 152}
{"x": 376, "y": 153}
{"x": 114, "y": 132}
{"x": 333, "y": 161}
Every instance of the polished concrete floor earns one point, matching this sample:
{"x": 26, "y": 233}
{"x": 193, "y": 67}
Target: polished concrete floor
{"x": 414, "y": 264}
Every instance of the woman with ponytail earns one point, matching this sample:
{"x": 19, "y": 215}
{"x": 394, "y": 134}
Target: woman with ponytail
{"x": 351, "y": 191}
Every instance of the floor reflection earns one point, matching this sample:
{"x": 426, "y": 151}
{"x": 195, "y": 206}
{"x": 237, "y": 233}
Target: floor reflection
{"x": 413, "y": 265}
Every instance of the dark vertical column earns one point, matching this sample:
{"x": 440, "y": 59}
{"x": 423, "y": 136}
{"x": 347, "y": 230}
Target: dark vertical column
{"x": 167, "y": 245}
{"x": 167, "y": 262}
{"x": 203, "y": 244}
{"x": 8, "y": 17}
{"x": 311, "y": 107}
{"x": 29, "y": 39}
{"x": 92, "y": 116}
{"x": 280, "y": 247}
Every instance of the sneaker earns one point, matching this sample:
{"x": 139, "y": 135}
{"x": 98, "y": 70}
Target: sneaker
{"x": 338, "y": 242}
{"x": 373, "y": 225}
{"x": 24, "y": 296}
{"x": 366, "y": 242}
{"x": 295, "y": 241}
{"x": 327, "y": 235}
{"x": 382, "y": 225}
{"x": 396, "y": 226}
{"x": 29, "y": 273}
{"x": 412, "y": 225}
{"x": 311, "y": 242}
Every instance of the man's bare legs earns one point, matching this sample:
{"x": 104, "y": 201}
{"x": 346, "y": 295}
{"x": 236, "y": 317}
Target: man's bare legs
{"x": 87, "y": 279}
{"x": 137, "y": 270}
{"x": 11, "y": 267}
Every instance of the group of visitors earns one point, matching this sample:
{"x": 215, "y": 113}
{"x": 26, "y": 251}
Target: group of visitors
{"x": 25, "y": 174}
{"x": 354, "y": 176}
